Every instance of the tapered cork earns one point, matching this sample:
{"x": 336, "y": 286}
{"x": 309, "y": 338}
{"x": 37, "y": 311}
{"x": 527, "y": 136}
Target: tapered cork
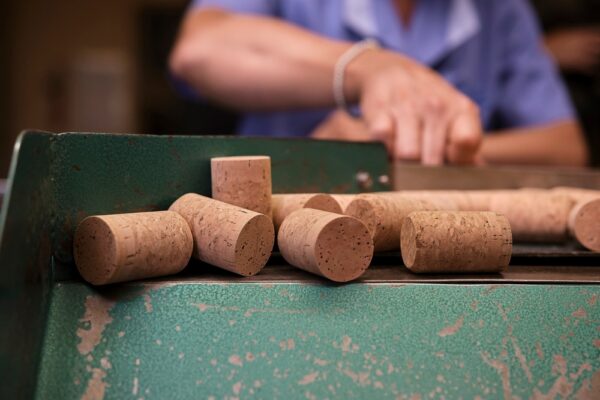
{"x": 124, "y": 247}
{"x": 343, "y": 200}
{"x": 285, "y": 204}
{"x": 584, "y": 224}
{"x": 456, "y": 242}
{"x": 334, "y": 246}
{"x": 243, "y": 181}
{"x": 534, "y": 215}
{"x": 383, "y": 216}
{"x": 225, "y": 235}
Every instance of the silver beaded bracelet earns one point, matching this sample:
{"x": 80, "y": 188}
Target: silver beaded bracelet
{"x": 339, "y": 70}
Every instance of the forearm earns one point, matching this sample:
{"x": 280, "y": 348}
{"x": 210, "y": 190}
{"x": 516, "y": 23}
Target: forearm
{"x": 255, "y": 63}
{"x": 560, "y": 143}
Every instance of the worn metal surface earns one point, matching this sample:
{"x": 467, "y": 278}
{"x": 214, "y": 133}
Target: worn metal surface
{"x": 25, "y": 265}
{"x": 278, "y": 340}
{"x": 408, "y": 176}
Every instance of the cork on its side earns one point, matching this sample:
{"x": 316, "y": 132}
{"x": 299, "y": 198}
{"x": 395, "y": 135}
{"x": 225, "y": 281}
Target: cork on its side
{"x": 334, "y": 246}
{"x": 285, "y": 204}
{"x": 577, "y": 194}
{"x": 343, "y": 200}
{"x": 584, "y": 224}
{"x": 383, "y": 216}
{"x": 244, "y": 181}
{"x": 225, "y": 235}
{"x": 124, "y": 247}
{"x": 534, "y": 215}
{"x": 456, "y": 242}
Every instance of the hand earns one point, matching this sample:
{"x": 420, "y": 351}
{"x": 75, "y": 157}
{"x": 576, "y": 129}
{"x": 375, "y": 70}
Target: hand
{"x": 339, "y": 125}
{"x": 415, "y": 109}
{"x": 575, "y": 49}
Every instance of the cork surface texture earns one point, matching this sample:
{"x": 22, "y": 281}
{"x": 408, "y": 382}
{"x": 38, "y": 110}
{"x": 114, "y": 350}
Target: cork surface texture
{"x": 456, "y": 242}
{"x": 584, "y": 224}
{"x": 331, "y": 245}
{"x": 225, "y": 235}
{"x": 285, "y": 204}
{"x": 244, "y": 181}
{"x": 383, "y": 216}
{"x": 123, "y": 247}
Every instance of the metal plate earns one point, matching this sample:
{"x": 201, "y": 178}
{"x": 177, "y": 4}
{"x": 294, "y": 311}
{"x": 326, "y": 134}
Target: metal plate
{"x": 179, "y": 340}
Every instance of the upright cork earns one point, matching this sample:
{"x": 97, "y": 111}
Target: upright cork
{"x": 334, "y": 246}
{"x": 456, "y": 242}
{"x": 285, "y": 204}
{"x": 383, "y": 216}
{"x": 534, "y": 215}
{"x": 584, "y": 224}
{"x": 243, "y": 181}
{"x": 124, "y": 247}
{"x": 225, "y": 235}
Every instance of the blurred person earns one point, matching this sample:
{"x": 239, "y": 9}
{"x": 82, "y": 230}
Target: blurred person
{"x": 572, "y": 37}
{"x": 445, "y": 71}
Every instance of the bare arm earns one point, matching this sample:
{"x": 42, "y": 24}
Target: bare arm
{"x": 260, "y": 63}
{"x": 560, "y": 143}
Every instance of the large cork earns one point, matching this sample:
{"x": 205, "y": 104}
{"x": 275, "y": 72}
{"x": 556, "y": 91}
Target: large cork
{"x": 343, "y": 200}
{"x": 534, "y": 215}
{"x": 335, "y": 246}
{"x": 584, "y": 224}
{"x": 383, "y": 216}
{"x": 456, "y": 200}
{"x": 456, "y": 242}
{"x": 225, "y": 235}
{"x": 285, "y": 204}
{"x": 243, "y": 181}
{"x": 124, "y": 247}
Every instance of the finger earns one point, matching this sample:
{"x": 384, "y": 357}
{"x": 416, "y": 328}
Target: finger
{"x": 407, "y": 139}
{"x": 381, "y": 128}
{"x": 435, "y": 128}
{"x": 464, "y": 138}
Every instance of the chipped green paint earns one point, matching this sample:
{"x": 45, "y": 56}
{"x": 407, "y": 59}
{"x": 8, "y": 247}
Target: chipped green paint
{"x": 300, "y": 340}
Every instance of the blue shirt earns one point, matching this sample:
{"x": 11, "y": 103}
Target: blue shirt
{"x": 490, "y": 50}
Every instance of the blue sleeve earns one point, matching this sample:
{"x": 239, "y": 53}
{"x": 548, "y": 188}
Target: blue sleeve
{"x": 531, "y": 89}
{"x": 265, "y": 7}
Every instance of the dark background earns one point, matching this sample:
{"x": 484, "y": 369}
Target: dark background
{"x": 68, "y": 65}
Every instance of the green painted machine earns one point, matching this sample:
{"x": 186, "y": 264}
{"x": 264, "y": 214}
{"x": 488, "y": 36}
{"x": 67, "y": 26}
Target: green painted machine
{"x": 533, "y": 332}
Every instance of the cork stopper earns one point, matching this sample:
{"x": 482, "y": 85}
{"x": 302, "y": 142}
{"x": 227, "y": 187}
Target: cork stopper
{"x": 285, "y": 204}
{"x": 244, "y": 181}
{"x": 334, "y": 246}
{"x": 383, "y": 216}
{"x": 343, "y": 200}
{"x": 225, "y": 235}
{"x": 584, "y": 224}
{"x": 456, "y": 242}
{"x": 534, "y": 215}
{"x": 125, "y": 247}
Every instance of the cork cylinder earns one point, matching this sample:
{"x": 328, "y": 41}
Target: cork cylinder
{"x": 534, "y": 215}
{"x": 383, "y": 216}
{"x": 334, "y": 246}
{"x": 442, "y": 201}
{"x": 285, "y": 204}
{"x": 225, "y": 235}
{"x": 456, "y": 242}
{"x": 124, "y": 247}
{"x": 243, "y": 181}
{"x": 584, "y": 224}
